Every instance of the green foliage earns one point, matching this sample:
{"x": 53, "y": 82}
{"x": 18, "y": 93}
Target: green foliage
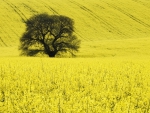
{"x": 49, "y": 34}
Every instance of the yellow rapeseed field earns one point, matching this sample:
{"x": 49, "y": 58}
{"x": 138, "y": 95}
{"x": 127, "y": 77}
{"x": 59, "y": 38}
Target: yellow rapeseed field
{"x": 111, "y": 73}
{"x": 44, "y": 85}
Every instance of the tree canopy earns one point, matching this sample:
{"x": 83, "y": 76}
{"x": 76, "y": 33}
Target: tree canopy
{"x": 49, "y": 34}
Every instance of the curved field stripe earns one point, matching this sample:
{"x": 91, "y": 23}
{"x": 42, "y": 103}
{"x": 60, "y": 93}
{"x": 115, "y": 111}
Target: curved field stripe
{"x": 23, "y": 17}
{"x": 3, "y": 41}
{"x": 50, "y": 8}
{"x": 81, "y": 37}
{"x": 108, "y": 26}
{"x": 29, "y": 8}
{"x": 129, "y": 15}
{"x": 5, "y": 37}
{"x": 140, "y": 2}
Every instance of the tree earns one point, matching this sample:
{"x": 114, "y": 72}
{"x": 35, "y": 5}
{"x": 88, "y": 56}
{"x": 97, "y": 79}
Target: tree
{"x": 49, "y": 34}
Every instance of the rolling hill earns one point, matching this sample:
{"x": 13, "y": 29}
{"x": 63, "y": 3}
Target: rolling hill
{"x": 106, "y": 27}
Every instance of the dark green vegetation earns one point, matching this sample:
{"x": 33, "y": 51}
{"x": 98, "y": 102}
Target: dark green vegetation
{"x": 49, "y": 34}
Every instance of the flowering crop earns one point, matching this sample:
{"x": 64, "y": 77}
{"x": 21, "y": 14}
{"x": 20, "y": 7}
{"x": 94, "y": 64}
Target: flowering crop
{"x": 43, "y": 85}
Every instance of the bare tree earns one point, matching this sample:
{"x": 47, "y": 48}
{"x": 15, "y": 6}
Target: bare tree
{"x": 49, "y": 34}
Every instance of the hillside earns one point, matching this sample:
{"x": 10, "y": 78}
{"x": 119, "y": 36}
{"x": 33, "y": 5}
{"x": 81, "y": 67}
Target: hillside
{"x": 100, "y": 24}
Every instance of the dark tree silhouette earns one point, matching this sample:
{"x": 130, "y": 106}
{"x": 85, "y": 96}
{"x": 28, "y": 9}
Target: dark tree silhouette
{"x": 49, "y": 34}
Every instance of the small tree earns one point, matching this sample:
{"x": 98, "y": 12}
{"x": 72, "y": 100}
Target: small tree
{"x": 49, "y": 34}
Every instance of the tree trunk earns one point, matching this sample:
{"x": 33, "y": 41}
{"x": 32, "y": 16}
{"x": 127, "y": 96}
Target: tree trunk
{"x": 52, "y": 54}
{"x": 48, "y": 51}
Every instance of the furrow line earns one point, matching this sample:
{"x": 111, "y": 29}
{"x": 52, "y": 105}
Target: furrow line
{"x": 23, "y": 17}
{"x": 29, "y": 8}
{"x": 6, "y": 36}
{"x": 50, "y": 8}
{"x": 129, "y": 15}
{"x": 3, "y": 41}
{"x": 108, "y": 26}
{"x": 81, "y": 36}
{"x": 141, "y": 3}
